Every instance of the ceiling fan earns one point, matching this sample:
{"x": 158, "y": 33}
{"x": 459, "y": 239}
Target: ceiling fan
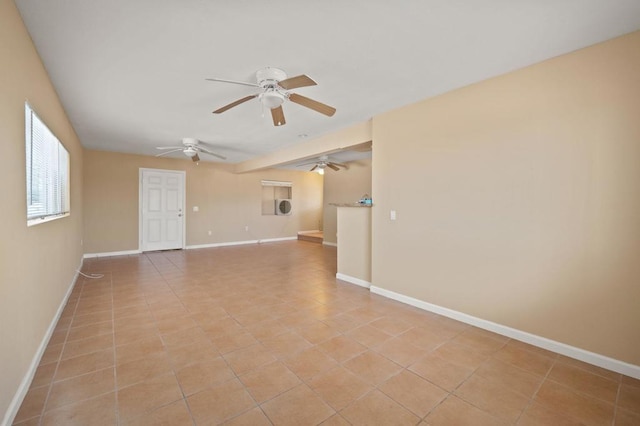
{"x": 322, "y": 163}
{"x": 275, "y": 90}
{"x": 191, "y": 147}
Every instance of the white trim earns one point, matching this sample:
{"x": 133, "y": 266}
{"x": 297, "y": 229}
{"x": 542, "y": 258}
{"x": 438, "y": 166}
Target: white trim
{"x": 274, "y": 240}
{"x": 353, "y": 280}
{"x": 276, "y": 183}
{"x": 39, "y": 220}
{"x": 18, "y": 397}
{"x": 313, "y": 231}
{"x": 197, "y": 246}
{"x": 541, "y": 342}
{"x": 112, "y": 253}
{"x": 213, "y": 245}
{"x": 141, "y": 170}
{"x": 240, "y": 243}
{"x": 327, "y": 243}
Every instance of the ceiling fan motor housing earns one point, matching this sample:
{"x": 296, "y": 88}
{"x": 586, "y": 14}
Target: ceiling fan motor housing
{"x": 269, "y": 77}
{"x": 189, "y": 141}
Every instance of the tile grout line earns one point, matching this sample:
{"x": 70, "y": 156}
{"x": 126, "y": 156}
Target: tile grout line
{"x": 533, "y": 397}
{"x": 453, "y": 392}
{"x": 615, "y": 404}
{"x": 173, "y": 367}
{"x": 64, "y": 344}
{"x": 113, "y": 337}
{"x": 220, "y": 355}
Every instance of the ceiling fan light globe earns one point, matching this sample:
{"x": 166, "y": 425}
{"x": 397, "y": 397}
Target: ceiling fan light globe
{"x": 272, "y": 99}
{"x": 190, "y": 152}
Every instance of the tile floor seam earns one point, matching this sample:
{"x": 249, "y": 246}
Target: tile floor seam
{"x": 400, "y": 403}
{"x": 449, "y": 395}
{"x": 52, "y": 381}
{"x": 615, "y": 406}
{"x": 113, "y": 342}
{"x": 584, "y": 394}
{"x": 535, "y": 393}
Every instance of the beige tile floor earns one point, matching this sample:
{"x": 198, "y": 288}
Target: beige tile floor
{"x": 264, "y": 334}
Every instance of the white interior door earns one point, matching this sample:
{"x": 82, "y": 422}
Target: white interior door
{"x": 161, "y": 209}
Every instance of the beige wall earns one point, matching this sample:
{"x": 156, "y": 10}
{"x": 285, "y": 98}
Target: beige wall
{"x": 518, "y": 199}
{"x": 354, "y": 249}
{"x": 37, "y": 264}
{"x": 345, "y": 186}
{"x": 227, "y": 201}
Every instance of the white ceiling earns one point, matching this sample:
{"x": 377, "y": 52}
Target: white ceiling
{"x": 131, "y": 73}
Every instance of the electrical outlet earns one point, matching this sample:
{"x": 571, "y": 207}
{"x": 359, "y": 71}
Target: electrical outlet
{"x": 246, "y": 228}
{"x": 209, "y": 233}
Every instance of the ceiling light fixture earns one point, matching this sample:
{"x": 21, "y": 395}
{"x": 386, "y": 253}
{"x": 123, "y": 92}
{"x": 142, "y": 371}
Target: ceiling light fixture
{"x": 272, "y": 99}
{"x": 320, "y": 171}
{"x": 190, "y": 152}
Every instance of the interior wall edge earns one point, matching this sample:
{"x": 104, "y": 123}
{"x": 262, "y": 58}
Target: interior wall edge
{"x": 353, "y": 280}
{"x": 22, "y": 390}
{"x": 532, "y": 339}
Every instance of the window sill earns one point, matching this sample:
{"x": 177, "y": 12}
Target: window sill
{"x": 33, "y": 222}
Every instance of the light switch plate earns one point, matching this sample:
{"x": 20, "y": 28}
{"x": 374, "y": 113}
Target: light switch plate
{"x": 392, "y": 215}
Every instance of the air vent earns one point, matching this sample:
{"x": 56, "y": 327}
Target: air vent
{"x": 283, "y": 207}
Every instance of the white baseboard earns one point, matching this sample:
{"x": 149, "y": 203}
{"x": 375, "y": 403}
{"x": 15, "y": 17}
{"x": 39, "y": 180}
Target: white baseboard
{"x": 273, "y": 240}
{"x": 112, "y": 253}
{"x": 197, "y": 246}
{"x": 353, "y": 280}
{"x": 312, "y": 231}
{"x": 239, "y": 243}
{"x": 532, "y": 339}
{"x": 16, "y": 402}
{"x": 213, "y": 245}
{"x": 327, "y": 243}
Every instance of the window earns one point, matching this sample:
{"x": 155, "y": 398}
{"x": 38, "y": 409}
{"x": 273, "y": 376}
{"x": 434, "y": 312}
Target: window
{"x": 272, "y": 192}
{"x": 47, "y": 172}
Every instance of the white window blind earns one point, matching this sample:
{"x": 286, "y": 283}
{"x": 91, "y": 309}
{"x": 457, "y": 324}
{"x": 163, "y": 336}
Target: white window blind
{"x": 47, "y": 171}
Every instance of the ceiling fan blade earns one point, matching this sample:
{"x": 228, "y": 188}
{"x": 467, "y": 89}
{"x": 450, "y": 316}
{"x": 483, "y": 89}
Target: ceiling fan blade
{"x": 169, "y": 147}
{"x": 297, "y": 81}
{"x": 206, "y": 151}
{"x": 338, "y": 164}
{"x": 195, "y": 158}
{"x": 233, "y": 104}
{"x": 331, "y": 166}
{"x": 313, "y": 168}
{"x": 314, "y": 105}
{"x": 278, "y": 116}
{"x": 169, "y": 152}
{"x": 222, "y": 80}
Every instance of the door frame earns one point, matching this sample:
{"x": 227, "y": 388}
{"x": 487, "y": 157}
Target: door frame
{"x": 141, "y": 170}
